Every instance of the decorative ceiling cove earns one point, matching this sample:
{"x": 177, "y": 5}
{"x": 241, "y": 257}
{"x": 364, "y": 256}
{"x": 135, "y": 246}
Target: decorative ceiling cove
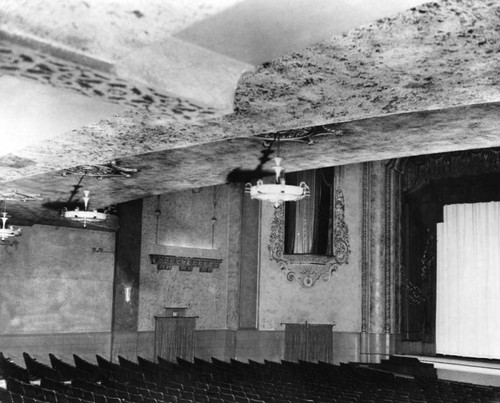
{"x": 421, "y": 81}
{"x": 133, "y": 38}
{"x": 33, "y": 65}
{"x": 106, "y": 29}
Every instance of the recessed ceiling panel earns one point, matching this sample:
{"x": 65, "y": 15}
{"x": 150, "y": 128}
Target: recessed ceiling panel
{"x": 258, "y": 31}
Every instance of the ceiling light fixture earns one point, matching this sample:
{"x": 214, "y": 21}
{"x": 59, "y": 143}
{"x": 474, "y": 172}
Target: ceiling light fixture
{"x": 86, "y": 215}
{"x": 7, "y": 232}
{"x": 279, "y": 192}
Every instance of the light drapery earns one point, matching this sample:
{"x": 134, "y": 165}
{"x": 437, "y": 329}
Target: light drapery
{"x": 295, "y": 341}
{"x": 319, "y": 343}
{"x": 468, "y": 281}
{"x": 307, "y": 342}
{"x": 301, "y": 229}
{"x": 309, "y": 222}
{"x": 174, "y": 337}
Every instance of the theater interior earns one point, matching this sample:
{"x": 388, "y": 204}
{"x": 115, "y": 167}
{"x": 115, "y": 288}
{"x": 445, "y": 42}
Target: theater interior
{"x": 164, "y": 111}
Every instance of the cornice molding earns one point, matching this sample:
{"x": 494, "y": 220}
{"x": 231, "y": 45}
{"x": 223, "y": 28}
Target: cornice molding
{"x": 167, "y": 262}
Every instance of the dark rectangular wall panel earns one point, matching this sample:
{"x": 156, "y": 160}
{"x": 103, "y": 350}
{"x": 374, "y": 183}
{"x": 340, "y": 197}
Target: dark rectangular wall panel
{"x": 127, "y": 270}
{"x": 249, "y": 263}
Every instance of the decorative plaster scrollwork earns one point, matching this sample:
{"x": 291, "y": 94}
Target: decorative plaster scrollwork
{"x": 14, "y": 195}
{"x": 101, "y": 171}
{"x": 303, "y": 135}
{"x": 341, "y": 250}
{"x": 307, "y": 274}
{"x": 419, "y": 171}
{"x": 308, "y": 269}
{"x": 365, "y": 245}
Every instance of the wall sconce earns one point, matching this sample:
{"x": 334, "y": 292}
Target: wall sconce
{"x": 128, "y": 294}
{"x": 101, "y": 250}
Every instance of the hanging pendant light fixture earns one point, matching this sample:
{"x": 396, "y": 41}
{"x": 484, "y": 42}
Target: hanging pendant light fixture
{"x": 85, "y": 216}
{"x": 101, "y": 171}
{"x": 7, "y": 232}
{"x": 279, "y": 192}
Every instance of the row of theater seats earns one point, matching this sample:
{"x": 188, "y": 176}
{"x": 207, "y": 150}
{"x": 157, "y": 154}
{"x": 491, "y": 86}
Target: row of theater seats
{"x": 219, "y": 381}
{"x": 405, "y": 365}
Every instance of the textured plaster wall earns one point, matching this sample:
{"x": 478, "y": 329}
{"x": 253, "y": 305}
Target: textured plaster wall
{"x": 204, "y": 222}
{"x": 52, "y": 282}
{"x": 336, "y": 301}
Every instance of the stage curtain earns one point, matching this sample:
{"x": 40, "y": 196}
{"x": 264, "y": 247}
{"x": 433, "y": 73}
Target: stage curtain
{"x": 174, "y": 337}
{"x": 308, "y": 342}
{"x": 468, "y": 281}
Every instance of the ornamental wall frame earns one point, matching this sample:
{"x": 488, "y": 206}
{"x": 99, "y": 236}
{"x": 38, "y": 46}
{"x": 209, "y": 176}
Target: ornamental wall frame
{"x": 308, "y": 269}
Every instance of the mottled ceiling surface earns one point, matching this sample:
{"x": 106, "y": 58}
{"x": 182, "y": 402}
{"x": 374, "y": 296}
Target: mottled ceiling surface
{"x": 183, "y": 106}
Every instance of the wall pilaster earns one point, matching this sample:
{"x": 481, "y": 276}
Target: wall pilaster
{"x": 378, "y": 261}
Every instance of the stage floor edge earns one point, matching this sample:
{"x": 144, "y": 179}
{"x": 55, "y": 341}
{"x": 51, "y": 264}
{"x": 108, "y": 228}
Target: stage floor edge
{"x": 463, "y": 370}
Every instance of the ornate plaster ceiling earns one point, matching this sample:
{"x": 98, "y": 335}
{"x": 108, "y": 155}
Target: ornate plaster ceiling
{"x": 418, "y": 81}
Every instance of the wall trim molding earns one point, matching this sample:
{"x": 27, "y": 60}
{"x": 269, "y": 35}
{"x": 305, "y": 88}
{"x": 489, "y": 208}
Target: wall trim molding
{"x": 387, "y": 249}
{"x": 365, "y": 244}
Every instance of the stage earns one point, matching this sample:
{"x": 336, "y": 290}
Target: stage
{"x": 462, "y": 369}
